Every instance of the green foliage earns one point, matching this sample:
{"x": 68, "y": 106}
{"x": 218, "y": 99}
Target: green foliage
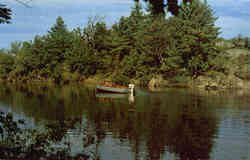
{"x": 142, "y": 46}
{"x": 240, "y": 42}
{"x": 29, "y": 57}
{"x": 136, "y": 47}
{"x": 236, "y": 41}
{"x": 58, "y": 40}
{"x": 194, "y": 36}
{"x": 18, "y": 142}
{"x": 9, "y": 130}
{"x": 6, "y": 64}
{"x": 76, "y": 58}
{"x": 244, "y": 67}
{"x": 15, "y": 47}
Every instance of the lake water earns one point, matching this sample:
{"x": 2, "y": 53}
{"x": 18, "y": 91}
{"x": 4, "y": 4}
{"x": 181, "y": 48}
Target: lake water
{"x": 167, "y": 124}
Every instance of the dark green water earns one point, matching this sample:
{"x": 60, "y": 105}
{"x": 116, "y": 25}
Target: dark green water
{"x": 169, "y": 124}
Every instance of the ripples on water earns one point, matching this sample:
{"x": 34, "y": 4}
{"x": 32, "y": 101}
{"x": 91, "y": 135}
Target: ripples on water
{"x": 169, "y": 124}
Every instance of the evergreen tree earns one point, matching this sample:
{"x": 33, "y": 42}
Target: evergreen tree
{"x": 58, "y": 41}
{"x": 59, "y": 28}
{"x": 195, "y": 35}
{"x": 80, "y": 57}
{"x": 140, "y": 44}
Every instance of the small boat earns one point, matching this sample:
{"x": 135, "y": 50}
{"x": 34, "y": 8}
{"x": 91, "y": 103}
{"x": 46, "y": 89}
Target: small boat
{"x": 111, "y": 88}
{"x": 100, "y": 88}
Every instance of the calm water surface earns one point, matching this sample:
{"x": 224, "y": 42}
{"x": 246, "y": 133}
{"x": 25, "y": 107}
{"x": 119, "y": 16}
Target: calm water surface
{"x": 168, "y": 124}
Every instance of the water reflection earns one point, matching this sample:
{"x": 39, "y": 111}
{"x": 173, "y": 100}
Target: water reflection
{"x": 186, "y": 129}
{"x": 154, "y": 126}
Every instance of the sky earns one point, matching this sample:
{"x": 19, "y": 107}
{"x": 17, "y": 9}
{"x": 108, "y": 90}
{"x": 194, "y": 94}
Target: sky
{"x": 233, "y": 16}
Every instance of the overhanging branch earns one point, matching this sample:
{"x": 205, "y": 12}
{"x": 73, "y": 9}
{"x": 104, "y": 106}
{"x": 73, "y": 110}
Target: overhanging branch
{"x": 24, "y": 3}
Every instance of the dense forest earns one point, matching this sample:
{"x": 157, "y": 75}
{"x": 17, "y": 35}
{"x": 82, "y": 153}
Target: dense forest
{"x": 138, "y": 47}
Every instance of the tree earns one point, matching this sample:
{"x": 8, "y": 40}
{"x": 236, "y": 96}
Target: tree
{"x": 6, "y": 64}
{"x": 5, "y": 14}
{"x": 58, "y": 41}
{"x": 246, "y": 45}
{"x": 158, "y": 6}
{"x": 15, "y": 47}
{"x": 59, "y": 27}
{"x": 195, "y": 34}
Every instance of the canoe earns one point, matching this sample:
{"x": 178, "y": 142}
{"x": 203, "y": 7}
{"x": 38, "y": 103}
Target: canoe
{"x": 100, "y": 88}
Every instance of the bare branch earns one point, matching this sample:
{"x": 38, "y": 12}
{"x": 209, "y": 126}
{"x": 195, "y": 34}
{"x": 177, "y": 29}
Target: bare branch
{"x": 25, "y": 3}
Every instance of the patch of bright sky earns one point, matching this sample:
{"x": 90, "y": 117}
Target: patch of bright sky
{"x": 27, "y": 22}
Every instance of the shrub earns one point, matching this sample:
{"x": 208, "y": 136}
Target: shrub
{"x": 6, "y": 64}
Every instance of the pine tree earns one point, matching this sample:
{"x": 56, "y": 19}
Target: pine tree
{"x": 58, "y": 41}
{"x": 196, "y": 34}
{"x": 60, "y": 26}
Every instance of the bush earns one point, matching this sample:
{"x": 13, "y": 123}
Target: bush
{"x": 6, "y": 64}
{"x": 244, "y": 67}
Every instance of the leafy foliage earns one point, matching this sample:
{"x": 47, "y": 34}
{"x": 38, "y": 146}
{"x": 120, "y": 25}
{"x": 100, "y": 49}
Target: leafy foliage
{"x": 195, "y": 37}
{"x": 6, "y": 64}
{"x": 19, "y": 142}
{"x": 139, "y": 46}
{"x": 240, "y": 42}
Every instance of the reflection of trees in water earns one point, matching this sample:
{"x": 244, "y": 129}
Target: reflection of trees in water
{"x": 43, "y": 103}
{"x": 193, "y": 139}
{"x": 187, "y": 129}
{"x": 62, "y": 108}
{"x": 155, "y": 123}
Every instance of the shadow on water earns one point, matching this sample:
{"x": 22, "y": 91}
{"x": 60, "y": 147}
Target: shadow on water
{"x": 158, "y": 123}
{"x": 174, "y": 123}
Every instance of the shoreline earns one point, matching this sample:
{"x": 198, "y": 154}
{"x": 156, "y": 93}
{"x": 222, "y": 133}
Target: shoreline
{"x": 203, "y": 83}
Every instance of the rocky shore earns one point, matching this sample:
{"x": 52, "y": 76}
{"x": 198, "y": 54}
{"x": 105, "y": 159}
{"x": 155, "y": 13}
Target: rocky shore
{"x": 220, "y": 82}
